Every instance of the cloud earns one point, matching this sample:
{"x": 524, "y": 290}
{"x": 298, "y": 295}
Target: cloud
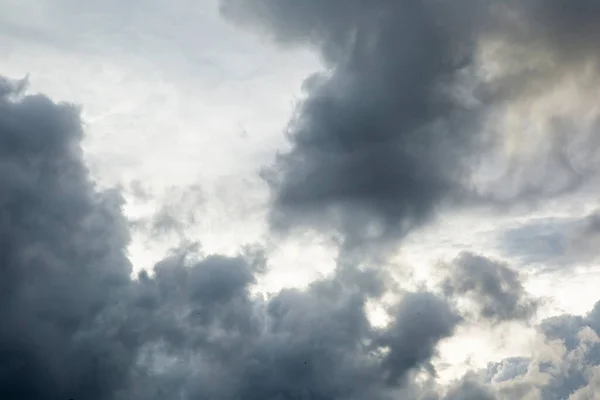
{"x": 469, "y": 390}
{"x": 568, "y": 30}
{"x": 421, "y": 322}
{"x": 380, "y": 142}
{"x": 375, "y": 145}
{"x": 75, "y": 325}
{"x": 583, "y": 238}
{"x": 424, "y": 103}
{"x": 554, "y": 242}
{"x": 540, "y": 71}
{"x": 537, "y": 241}
{"x": 494, "y": 288}
{"x": 563, "y": 364}
{"x": 63, "y": 259}
{"x": 200, "y": 342}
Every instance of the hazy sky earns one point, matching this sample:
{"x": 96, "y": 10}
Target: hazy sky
{"x": 299, "y": 199}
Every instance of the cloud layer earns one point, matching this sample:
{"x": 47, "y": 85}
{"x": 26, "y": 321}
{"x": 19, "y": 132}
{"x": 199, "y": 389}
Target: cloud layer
{"x": 393, "y": 129}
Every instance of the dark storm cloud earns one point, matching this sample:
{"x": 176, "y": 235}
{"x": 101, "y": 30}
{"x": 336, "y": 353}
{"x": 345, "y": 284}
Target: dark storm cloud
{"x": 583, "y": 238}
{"x": 569, "y": 29}
{"x": 315, "y": 343}
{"x": 396, "y": 124}
{"x": 376, "y": 143}
{"x": 62, "y": 259}
{"x": 75, "y": 325}
{"x": 495, "y": 288}
{"x": 421, "y": 322}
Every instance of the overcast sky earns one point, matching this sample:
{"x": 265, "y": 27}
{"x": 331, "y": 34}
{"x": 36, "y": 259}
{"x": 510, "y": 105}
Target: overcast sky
{"x": 299, "y": 199}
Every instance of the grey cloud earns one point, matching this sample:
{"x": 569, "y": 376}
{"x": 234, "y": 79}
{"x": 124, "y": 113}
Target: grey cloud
{"x": 543, "y": 49}
{"x": 591, "y": 390}
{"x": 568, "y": 29}
{"x": 554, "y": 242}
{"x": 539, "y": 242}
{"x": 563, "y": 366}
{"x": 405, "y": 112}
{"x": 75, "y": 325}
{"x": 583, "y": 238}
{"x": 507, "y": 369}
{"x": 468, "y": 389}
{"x": 422, "y": 320}
{"x": 379, "y": 140}
{"x": 494, "y": 287}
{"x": 315, "y": 343}
{"x": 62, "y": 259}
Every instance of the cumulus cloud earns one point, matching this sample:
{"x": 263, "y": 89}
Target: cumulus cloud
{"x": 75, "y": 325}
{"x": 494, "y": 288}
{"x": 63, "y": 259}
{"x": 375, "y": 144}
{"x": 386, "y": 135}
{"x": 563, "y": 365}
{"x": 425, "y": 102}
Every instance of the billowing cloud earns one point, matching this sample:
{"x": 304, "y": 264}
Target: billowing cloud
{"x": 384, "y": 137}
{"x": 493, "y": 287}
{"x": 75, "y": 325}
{"x": 428, "y": 101}
{"x": 315, "y": 343}
{"x": 563, "y": 365}
{"x": 63, "y": 259}
{"x": 375, "y": 144}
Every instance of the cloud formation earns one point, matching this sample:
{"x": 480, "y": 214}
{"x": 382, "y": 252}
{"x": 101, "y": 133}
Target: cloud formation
{"x": 425, "y": 102}
{"x": 382, "y": 139}
{"x": 555, "y": 242}
{"x": 494, "y": 288}
{"x": 75, "y": 325}
{"x": 375, "y": 144}
{"x": 564, "y": 364}
{"x": 63, "y": 258}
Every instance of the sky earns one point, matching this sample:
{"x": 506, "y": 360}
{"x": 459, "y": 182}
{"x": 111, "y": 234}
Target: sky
{"x": 294, "y": 200}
